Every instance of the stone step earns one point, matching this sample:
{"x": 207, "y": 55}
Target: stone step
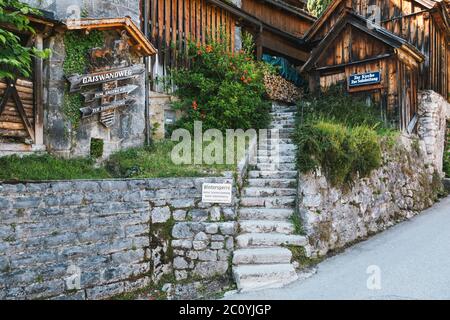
{"x": 266, "y": 276}
{"x": 281, "y": 122}
{"x": 273, "y": 183}
{"x": 266, "y": 226}
{"x": 275, "y": 153}
{"x": 276, "y": 167}
{"x": 280, "y": 159}
{"x": 269, "y": 202}
{"x": 275, "y": 141}
{"x": 276, "y": 115}
{"x": 281, "y": 147}
{"x": 268, "y": 192}
{"x": 273, "y": 174}
{"x": 283, "y": 108}
{"x": 252, "y": 240}
{"x": 282, "y": 126}
{"x": 265, "y": 214}
{"x": 262, "y": 256}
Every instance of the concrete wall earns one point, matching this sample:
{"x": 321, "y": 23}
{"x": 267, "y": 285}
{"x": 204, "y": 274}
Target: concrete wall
{"x": 97, "y": 239}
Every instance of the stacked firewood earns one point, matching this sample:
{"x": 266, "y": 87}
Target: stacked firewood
{"x": 280, "y": 89}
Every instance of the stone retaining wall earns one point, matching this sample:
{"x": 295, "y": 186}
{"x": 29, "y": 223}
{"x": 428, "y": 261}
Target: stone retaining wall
{"x": 403, "y": 187}
{"x": 97, "y": 239}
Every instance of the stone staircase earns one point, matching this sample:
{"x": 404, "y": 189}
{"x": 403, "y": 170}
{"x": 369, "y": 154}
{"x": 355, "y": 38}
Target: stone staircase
{"x": 267, "y": 204}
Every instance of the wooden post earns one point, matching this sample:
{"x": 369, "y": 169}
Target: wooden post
{"x": 38, "y": 94}
{"x": 259, "y": 44}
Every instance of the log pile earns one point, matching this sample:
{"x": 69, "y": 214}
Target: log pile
{"x": 11, "y": 123}
{"x": 279, "y": 89}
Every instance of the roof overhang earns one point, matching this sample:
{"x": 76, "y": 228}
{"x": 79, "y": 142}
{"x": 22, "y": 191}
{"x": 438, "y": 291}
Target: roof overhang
{"x": 427, "y": 4}
{"x": 141, "y": 44}
{"x": 401, "y": 47}
{"x": 291, "y": 9}
{"x": 255, "y": 22}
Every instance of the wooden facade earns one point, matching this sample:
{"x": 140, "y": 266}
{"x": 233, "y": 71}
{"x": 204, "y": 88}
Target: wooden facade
{"x": 283, "y": 27}
{"x": 423, "y": 23}
{"x": 408, "y": 44}
{"x": 173, "y": 23}
{"x": 280, "y": 15}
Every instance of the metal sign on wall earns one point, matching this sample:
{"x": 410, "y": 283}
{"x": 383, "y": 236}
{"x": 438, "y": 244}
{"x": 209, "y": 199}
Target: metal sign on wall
{"x": 364, "y": 79}
{"x": 111, "y": 96}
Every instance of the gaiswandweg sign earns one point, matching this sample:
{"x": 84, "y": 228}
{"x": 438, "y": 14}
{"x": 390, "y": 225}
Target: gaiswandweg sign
{"x": 77, "y": 82}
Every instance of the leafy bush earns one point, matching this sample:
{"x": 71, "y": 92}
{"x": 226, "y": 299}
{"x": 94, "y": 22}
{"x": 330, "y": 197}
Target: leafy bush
{"x": 223, "y": 90}
{"x": 340, "y": 135}
{"x": 15, "y": 59}
{"x": 317, "y": 7}
{"x": 341, "y": 152}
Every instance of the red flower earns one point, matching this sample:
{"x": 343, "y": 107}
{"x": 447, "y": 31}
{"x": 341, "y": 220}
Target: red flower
{"x": 194, "y": 105}
{"x": 209, "y": 49}
{"x": 199, "y": 52}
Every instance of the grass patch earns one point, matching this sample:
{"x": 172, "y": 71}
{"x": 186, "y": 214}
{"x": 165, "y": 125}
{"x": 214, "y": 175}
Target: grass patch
{"x": 447, "y": 164}
{"x": 154, "y": 162}
{"x": 48, "y": 167}
{"x": 298, "y": 226}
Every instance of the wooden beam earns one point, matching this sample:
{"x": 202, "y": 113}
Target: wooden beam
{"x": 38, "y": 94}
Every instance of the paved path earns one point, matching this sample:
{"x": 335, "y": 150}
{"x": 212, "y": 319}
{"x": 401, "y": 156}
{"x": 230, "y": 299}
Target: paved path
{"x": 413, "y": 259}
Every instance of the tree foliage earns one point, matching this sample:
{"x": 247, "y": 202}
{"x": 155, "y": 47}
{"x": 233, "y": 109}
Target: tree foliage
{"x": 223, "y": 89}
{"x": 15, "y": 58}
{"x": 317, "y": 7}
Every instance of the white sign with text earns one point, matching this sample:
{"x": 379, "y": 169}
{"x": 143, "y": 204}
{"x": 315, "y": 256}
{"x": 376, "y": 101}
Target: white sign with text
{"x": 217, "y": 193}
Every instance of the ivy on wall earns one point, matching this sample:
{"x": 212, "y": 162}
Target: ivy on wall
{"x": 77, "y": 46}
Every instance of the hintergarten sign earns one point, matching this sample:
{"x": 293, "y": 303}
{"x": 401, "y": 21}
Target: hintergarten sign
{"x": 364, "y": 79}
{"x": 217, "y": 193}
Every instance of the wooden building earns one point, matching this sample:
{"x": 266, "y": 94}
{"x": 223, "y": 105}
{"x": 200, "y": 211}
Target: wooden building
{"x": 110, "y": 92}
{"x": 398, "y": 47}
{"x": 21, "y": 100}
{"x": 277, "y": 28}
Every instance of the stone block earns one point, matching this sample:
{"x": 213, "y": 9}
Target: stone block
{"x": 210, "y": 269}
{"x": 182, "y": 231}
{"x": 207, "y": 255}
{"x": 160, "y": 215}
{"x": 179, "y": 215}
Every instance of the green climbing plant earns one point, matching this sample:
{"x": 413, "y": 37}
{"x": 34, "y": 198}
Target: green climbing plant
{"x": 317, "y": 7}
{"x": 77, "y": 46}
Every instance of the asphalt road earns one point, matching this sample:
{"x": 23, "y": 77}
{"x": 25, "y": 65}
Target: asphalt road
{"x": 408, "y": 261}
